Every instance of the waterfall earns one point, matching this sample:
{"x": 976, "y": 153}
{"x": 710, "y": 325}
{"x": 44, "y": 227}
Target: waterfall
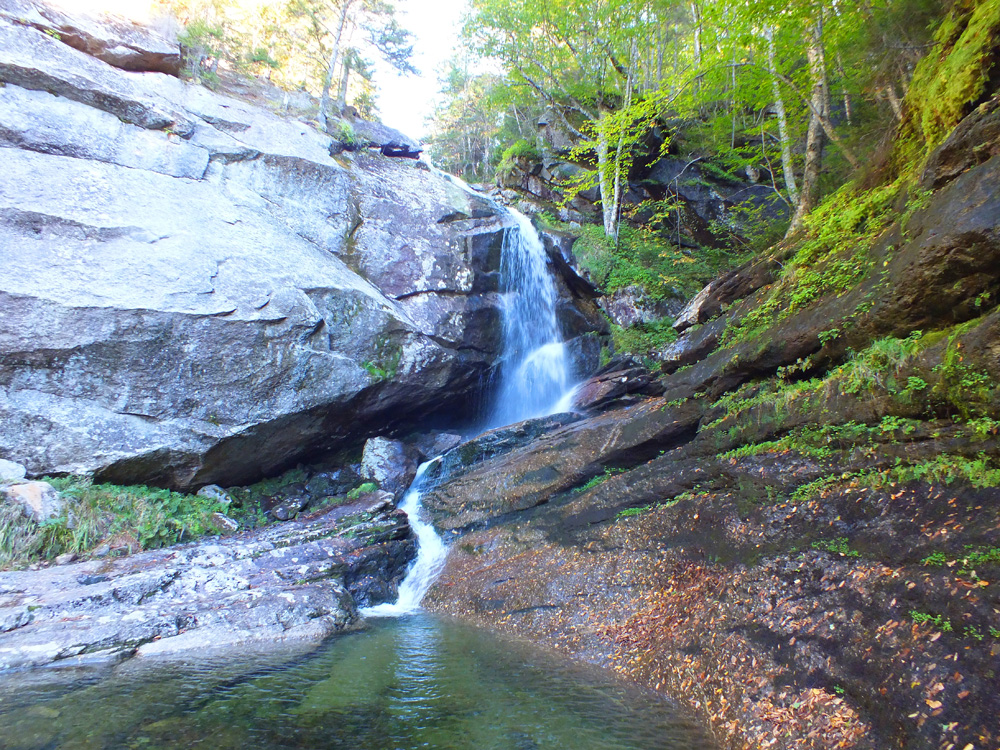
{"x": 535, "y": 381}
{"x": 534, "y": 369}
{"x": 431, "y": 553}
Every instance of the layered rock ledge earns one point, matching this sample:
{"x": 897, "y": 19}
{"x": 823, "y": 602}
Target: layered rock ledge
{"x": 298, "y": 581}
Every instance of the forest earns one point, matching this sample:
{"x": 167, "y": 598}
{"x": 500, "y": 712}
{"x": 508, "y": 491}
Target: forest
{"x": 671, "y": 349}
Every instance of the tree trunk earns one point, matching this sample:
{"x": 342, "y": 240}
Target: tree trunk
{"x": 696, "y": 17}
{"x": 344, "y": 79}
{"x": 848, "y": 106}
{"x": 894, "y": 102}
{"x": 331, "y": 68}
{"x": 784, "y": 138}
{"x": 604, "y": 176}
{"x": 815, "y": 135}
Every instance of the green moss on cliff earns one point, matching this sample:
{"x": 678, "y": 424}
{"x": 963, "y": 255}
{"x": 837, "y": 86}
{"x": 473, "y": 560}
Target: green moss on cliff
{"x": 951, "y": 79}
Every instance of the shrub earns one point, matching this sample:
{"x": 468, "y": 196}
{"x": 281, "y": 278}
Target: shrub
{"x": 126, "y": 518}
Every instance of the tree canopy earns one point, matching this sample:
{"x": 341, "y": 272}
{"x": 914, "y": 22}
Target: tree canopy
{"x": 798, "y": 91}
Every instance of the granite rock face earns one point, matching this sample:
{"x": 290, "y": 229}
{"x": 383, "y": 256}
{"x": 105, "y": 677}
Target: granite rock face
{"x": 194, "y": 291}
{"x": 116, "y": 41}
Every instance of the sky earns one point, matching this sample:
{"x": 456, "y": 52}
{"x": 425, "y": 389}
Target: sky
{"x": 405, "y": 101}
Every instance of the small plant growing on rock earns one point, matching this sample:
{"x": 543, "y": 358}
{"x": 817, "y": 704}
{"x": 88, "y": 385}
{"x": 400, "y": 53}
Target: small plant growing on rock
{"x": 839, "y": 546}
{"x": 362, "y": 489}
{"x": 344, "y": 133}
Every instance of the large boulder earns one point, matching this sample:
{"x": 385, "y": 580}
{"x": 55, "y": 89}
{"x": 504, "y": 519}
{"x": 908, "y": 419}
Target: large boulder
{"x": 389, "y": 141}
{"x": 195, "y": 291}
{"x": 387, "y": 463}
{"x": 117, "y": 41}
{"x": 632, "y": 306}
{"x": 11, "y": 472}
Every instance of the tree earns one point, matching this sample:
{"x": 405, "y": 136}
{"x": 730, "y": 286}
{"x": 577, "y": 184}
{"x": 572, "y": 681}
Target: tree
{"x": 790, "y": 89}
{"x": 329, "y": 27}
{"x": 582, "y": 60}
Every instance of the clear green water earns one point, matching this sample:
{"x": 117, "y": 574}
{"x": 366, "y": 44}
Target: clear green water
{"x": 413, "y": 682}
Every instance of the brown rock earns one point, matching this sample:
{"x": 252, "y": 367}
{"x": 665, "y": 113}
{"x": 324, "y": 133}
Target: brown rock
{"x": 39, "y": 500}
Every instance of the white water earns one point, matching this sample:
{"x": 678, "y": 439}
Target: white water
{"x": 535, "y": 378}
{"x": 431, "y": 554}
{"x": 535, "y": 381}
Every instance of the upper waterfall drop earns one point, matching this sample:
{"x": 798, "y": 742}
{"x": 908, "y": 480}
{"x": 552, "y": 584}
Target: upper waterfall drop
{"x": 535, "y": 373}
{"x": 535, "y": 381}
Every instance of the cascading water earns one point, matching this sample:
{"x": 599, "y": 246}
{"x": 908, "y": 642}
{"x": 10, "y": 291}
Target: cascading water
{"x": 534, "y": 370}
{"x": 535, "y": 381}
{"x": 431, "y": 553}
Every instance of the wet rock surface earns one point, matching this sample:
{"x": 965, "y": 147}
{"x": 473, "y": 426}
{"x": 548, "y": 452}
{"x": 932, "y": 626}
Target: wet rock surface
{"x": 707, "y": 577}
{"x": 297, "y": 581}
{"x": 196, "y": 292}
{"x": 801, "y": 536}
{"x": 614, "y": 382}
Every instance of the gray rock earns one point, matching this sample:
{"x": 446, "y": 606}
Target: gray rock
{"x": 39, "y": 500}
{"x": 387, "y": 463}
{"x": 197, "y": 293}
{"x": 287, "y": 581}
{"x": 11, "y": 471}
{"x": 388, "y": 141}
{"x": 116, "y": 41}
{"x": 224, "y": 522}
{"x": 432, "y": 444}
{"x": 632, "y": 306}
{"x": 289, "y": 508}
{"x": 134, "y": 272}
{"x": 555, "y": 133}
{"x": 215, "y": 492}
{"x": 40, "y": 121}
{"x": 34, "y": 60}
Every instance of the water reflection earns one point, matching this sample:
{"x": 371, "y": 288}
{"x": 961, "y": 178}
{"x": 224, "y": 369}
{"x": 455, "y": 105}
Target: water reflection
{"x": 407, "y": 683}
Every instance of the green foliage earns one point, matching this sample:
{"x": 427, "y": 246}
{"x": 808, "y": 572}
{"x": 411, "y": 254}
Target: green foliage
{"x": 954, "y": 74}
{"x": 598, "y": 479}
{"x": 967, "y": 563}
{"x": 947, "y": 468}
{"x": 938, "y": 621}
{"x": 935, "y": 559}
{"x": 477, "y": 113}
{"x": 753, "y": 449}
{"x": 815, "y": 488}
{"x": 643, "y": 338}
{"x": 640, "y": 257}
{"x": 246, "y": 506}
{"x": 201, "y": 42}
{"x": 362, "y": 489}
{"x": 343, "y": 131}
{"x": 969, "y": 391}
{"x": 632, "y": 512}
{"x": 129, "y": 518}
{"x": 838, "y": 546}
{"x": 833, "y": 257}
{"x": 614, "y": 137}
{"x": 520, "y": 150}
{"x": 386, "y": 368}
{"x": 878, "y": 365}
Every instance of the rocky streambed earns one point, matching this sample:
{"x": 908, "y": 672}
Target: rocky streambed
{"x": 854, "y": 616}
{"x": 298, "y": 581}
